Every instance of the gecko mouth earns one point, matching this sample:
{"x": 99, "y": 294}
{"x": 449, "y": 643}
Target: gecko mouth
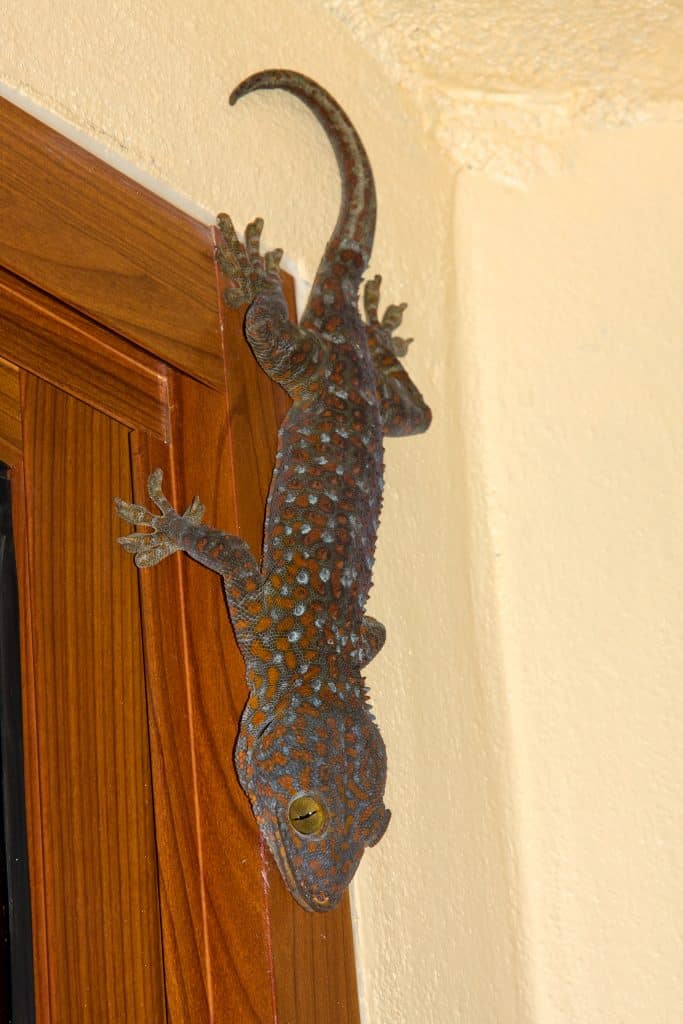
{"x": 316, "y": 901}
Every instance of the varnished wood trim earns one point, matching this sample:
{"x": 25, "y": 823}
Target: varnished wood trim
{"x": 212, "y": 889}
{"x": 87, "y": 234}
{"x": 313, "y": 961}
{"x": 10, "y": 414}
{"x": 17, "y": 998}
{"x": 87, "y": 361}
{"x": 164, "y": 607}
{"x": 34, "y": 799}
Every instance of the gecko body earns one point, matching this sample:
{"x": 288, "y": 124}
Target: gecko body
{"x": 309, "y": 754}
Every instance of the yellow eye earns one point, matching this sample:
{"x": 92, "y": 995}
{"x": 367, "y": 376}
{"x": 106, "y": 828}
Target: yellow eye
{"x": 307, "y": 815}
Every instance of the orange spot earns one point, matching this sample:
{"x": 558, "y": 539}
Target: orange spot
{"x": 260, "y": 651}
{"x": 263, "y": 624}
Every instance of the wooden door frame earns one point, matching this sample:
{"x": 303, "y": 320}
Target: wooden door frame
{"x": 90, "y": 256}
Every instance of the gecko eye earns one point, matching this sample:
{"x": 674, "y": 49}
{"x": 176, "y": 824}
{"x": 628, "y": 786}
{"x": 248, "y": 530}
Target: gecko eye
{"x": 307, "y": 816}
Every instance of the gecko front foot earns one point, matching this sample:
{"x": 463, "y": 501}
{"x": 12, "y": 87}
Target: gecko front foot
{"x": 250, "y": 274}
{"x": 150, "y": 548}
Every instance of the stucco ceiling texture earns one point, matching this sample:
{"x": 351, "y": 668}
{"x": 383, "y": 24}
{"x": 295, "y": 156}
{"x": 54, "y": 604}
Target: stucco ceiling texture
{"x": 504, "y": 85}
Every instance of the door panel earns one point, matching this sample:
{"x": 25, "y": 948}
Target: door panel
{"x": 87, "y": 361}
{"x": 93, "y": 831}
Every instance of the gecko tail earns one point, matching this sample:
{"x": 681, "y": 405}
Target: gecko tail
{"x": 355, "y": 225}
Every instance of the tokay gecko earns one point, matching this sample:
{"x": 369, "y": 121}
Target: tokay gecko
{"x": 309, "y": 754}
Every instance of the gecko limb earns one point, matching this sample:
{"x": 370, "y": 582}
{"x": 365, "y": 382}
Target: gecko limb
{"x": 372, "y": 637}
{"x": 403, "y": 409}
{"x": 224, "y": 553}
{"x": 250, "y": 274}
{"x": 289, "y": 354}
{"x": 149, "y": 549}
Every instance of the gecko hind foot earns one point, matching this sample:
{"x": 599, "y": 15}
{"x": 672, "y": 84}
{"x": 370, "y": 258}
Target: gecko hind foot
{"x": 150, "y": 548}
{"x": 250, "y": 274}
{"x": 383, "y": 330}
{"x": 402, "y": 407}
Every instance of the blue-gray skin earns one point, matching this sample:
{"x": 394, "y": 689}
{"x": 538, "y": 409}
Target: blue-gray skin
{"x": 309, "y": 754}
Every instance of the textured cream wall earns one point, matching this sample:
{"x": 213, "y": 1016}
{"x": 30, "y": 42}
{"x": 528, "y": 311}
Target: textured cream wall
{"x": 503, "y": 84}
{"x": 529, "y": 559}
{"x": 571, "y": 327}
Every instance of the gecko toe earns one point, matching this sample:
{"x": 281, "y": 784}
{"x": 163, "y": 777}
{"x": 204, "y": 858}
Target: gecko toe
{"x": 135, "y": 514}
{"x": 154, "y": 482}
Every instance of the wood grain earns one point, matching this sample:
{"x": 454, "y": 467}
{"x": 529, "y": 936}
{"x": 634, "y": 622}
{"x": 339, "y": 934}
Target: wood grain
{"x": 86, "y": 234}
{"x": 34, "y": 803}
{"x": 85, "y": 360}
{"x": 313, "y": 962}
{"x": 11, "y": 443}
{"x": 213, "y": 905}
{"x": 91, "y": 833}
{"x": 314, "y": 967}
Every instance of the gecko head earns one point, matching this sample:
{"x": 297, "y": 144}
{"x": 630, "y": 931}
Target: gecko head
{"x": 315, "y": 778}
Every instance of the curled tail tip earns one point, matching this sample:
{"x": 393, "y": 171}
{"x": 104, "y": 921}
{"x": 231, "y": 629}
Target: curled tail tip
{"x": 238, "y": 92}
{"x": 270, "y": 78}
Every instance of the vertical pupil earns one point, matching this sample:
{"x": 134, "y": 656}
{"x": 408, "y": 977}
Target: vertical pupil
{"x": 306, "y": 815}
